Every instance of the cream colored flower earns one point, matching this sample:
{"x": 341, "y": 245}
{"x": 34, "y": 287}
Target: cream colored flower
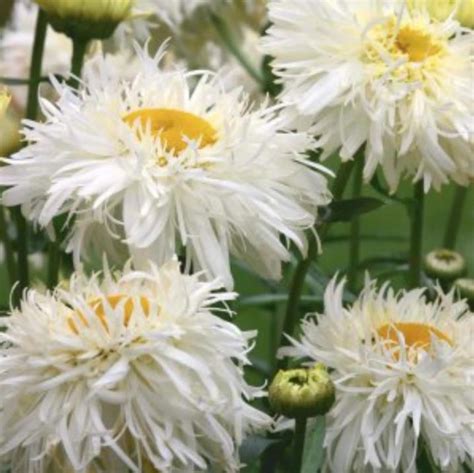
{"x": 123, "y": 373}
{"x": 373, "y": 73}
{"x": 404, "y": 373}
{"x": 169, "y": 162}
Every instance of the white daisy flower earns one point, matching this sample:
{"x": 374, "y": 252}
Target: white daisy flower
{"x": 169, "y": 160}
{"x": 122, "y": 371}
{"x": 404, "y": 371}
{"x": 391, "y": 79}
{"x": 16, "y": 43}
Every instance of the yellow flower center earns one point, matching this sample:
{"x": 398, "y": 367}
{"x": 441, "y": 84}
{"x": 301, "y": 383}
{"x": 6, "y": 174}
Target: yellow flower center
{"x": 174, "y": 127}
{"x": 408, "y": 50}
{"x": 98, "y": 305}
{"x": 417, "y": 335}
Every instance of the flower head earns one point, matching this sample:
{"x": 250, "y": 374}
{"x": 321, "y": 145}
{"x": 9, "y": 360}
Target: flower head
{"x": 403, "y": 369}
{"x": 169, "y": 160}
{"x": 392, "y": 80}
{"x": 86, "y": 19}
{"x": 120, "y": 371}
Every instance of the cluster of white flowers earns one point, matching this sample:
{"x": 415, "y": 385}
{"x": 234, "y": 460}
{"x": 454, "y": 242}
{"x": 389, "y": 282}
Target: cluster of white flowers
{"x": 139, "y": 370}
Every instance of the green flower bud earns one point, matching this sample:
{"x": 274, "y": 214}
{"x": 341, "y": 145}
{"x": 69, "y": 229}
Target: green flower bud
{"x": 302, "y": 392}
{"x": 465, "y": 286}
{"x": 445, "y": 264}
{"x": 86, "y": 19}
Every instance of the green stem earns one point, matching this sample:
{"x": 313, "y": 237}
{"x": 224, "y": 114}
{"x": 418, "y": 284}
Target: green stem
{"x": 8, "y": 247}
{"x": 230, "y": 43}
{"x": 31, "y": 113}
{"x": 54, "y": 250}
{"x": 298, "y": 443}
{"x": 455, "y": 217}
{"x": 354, "y": 247}
{"x": 297, "y": 283}
{"x": 416, "y": 238}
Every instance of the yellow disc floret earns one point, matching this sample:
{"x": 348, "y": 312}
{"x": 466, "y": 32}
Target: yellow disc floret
{"x": 174, "y": 127}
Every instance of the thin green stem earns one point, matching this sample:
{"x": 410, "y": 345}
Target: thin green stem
{"x": 297, "y": 284}
{"x": 416, "y": 235}
{"x": 31, "y": 113}
{"x": 298, "y": 443}
{"x": 455, "y": 217}
{"x": 230, "y": 43}
{"x": 54, "y": 250}
{"x": 8, "y": 247}
{"x": 354, "y": 246}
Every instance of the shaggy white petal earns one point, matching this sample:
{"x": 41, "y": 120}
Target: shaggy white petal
{"x": 395, "y": 81}
{"x": 404, "y": 372}
{"x": 236, "y": 187}
{"x": 118, "y": 371}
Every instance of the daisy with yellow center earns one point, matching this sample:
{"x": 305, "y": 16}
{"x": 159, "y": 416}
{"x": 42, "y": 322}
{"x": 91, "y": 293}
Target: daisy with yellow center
{"x": 393, "y": 80}
{"x": 168, "y": 162}
{"x": 403, "y": 369}
{"x": 125, "y": 373}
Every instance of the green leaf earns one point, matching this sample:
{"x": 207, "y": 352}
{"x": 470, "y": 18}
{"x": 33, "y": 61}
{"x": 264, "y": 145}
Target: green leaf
{"x": 313, "y": 455}
{"x": 346, "y": 210}
{"x": 378, "y": 187}
{"x": 254, "y": 446}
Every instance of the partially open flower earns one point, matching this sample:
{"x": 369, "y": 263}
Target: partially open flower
{"x": 440, "y": 10}
{"x": 444, "y": 264}
{"x": 86, "y": 19}
{"x": 302, "y": 392}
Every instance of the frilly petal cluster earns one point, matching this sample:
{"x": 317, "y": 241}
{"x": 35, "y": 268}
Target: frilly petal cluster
{"x": 131, "y": 372}
{"x": 164, "y": 161}
{"x": 404, "y": 373}
{"x": 392, "y": 80}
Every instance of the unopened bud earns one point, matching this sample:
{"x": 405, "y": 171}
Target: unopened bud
{"x": 465, "y": 287}
{"x": 444, "y": 264}
{"x": 86, "y": 19}
{"x": 302, "y": 392}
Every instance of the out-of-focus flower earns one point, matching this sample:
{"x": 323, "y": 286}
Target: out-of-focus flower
{"x": 462, "y": 10}
{"x": 391, "y": 80}
{"x": 403, "y": 370}
{"x": 5, "y": 99}
{"x": 16, "y": 44}
{"x": 86, "y": 19}
{"x": 122, "y": 372}
{"x": 166, "y": 161}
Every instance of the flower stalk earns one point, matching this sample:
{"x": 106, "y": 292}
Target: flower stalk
{"x": 31, "y": 114}
{"x": 455, "y": 218}
{"x": 354, "y": 242}
{"x": 298, "y": 445}
{"x": 297, "y": 283}
{"x": 416, "y": 238}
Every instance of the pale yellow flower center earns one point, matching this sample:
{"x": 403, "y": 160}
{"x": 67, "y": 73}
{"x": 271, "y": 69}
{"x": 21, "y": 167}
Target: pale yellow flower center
{"x": 174, "y": 127}
{"x": 97, "y": 305}
{"x": 408, "y": 50}
{"x": 417, "y": 335}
